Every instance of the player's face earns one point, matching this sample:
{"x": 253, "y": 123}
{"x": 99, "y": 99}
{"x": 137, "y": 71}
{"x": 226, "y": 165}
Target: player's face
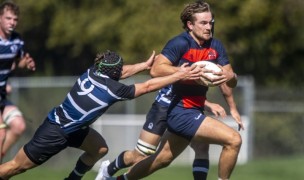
{"x": 8, "y": 22}
{"x": 201, "y": 27}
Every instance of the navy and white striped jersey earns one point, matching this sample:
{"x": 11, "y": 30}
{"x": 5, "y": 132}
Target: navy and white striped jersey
{"x": 10, "y": 50}
{"x": 92, "y": 94}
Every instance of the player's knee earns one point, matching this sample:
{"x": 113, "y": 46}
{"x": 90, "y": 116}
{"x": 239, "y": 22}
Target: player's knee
{"x": 136, "y": 156}
{"x": 235, "y": 140}
{"x": 17, "y": 126}
{"x": 17, "y": 167}
{"x": 164, "y": 159}
{"x": 103, "y": 151}
{"x": 164, "y": 162}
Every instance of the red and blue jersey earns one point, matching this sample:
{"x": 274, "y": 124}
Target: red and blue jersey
{"x": 183, "y": 48}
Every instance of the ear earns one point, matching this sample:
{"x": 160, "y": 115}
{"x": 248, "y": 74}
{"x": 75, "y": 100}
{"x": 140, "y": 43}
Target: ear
{"x": 189, "y": 25}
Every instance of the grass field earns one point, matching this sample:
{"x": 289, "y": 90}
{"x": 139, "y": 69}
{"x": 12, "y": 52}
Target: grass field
{"x": 286, "y": 168}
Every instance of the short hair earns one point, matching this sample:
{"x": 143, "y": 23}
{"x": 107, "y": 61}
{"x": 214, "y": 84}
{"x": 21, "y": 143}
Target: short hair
{"x": 192, "y": 8}
{"x": 109, "y": 63}
{"x": 10, "y": 6}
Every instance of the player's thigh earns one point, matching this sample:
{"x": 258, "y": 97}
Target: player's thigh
{"x": 22, "y": 161}
{"x": 172, "y": 146}
{"x": 213, "y": 131}
{"x": 22, "y": 158}
{"x": 94, "y": 143}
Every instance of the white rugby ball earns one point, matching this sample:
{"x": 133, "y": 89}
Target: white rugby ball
{"x": 209, "y": 66}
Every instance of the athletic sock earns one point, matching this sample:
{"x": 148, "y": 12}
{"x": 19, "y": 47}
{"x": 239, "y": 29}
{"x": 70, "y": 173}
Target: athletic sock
{"x": 79, "y": 171}
{"x": 117, "y": 164}
{"x": 200, "y": 169}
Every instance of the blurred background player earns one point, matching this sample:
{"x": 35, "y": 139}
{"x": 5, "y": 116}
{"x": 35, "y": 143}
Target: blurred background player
{"x": 11, "y": 56}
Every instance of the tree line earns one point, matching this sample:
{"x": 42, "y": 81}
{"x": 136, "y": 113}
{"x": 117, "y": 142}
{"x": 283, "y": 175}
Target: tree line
{"x": 263, "y": 39}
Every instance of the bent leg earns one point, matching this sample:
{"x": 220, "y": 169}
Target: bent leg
{"x": 145, "y": 146}
{"x": 213, "y": 131}
{"x": 18, "y": 165}
{"x": 16, "y": 126}
{"x": 171, "y": 146}
{"x": 94, "y": 147}
{"x": 149, "y": 138}
{"x": 200, "y": 166}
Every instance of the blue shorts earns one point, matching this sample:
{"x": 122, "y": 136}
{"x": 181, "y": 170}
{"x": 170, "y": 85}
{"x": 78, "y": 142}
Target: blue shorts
{"x": 49, "y": 139}
{"x": 184, "y": 121}
{"x": 156, "y": 119}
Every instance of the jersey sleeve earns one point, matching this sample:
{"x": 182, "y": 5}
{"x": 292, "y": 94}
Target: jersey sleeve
{"x": 125, "y": 92}
{"x": 223, "y": 57}
{"x": 175, "y": 48}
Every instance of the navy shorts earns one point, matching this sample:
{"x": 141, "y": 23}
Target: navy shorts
{"x": 184, "y": 121}
{"x": 49, "y": 139}
{"x": 5, "y": 102}
{"x": 156, "y": 119}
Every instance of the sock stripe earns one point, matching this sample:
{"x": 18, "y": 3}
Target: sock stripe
{"x": 200, "y": 169}
{"x": 77, "y": 173}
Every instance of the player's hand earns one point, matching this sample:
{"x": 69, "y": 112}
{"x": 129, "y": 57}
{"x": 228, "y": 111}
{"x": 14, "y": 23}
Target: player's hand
{"x": 189, "y": 72}
{"x": 215, "y": 109}
{"x": 222, "y": 76}
{"x": 236, "y": 116}
{"x": 149, "y": 62}
{"x": 201, "y": 70}
{"x": 217, "y": 80}
{"x": 29, "y": 62}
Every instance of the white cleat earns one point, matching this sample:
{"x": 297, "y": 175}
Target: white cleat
{"x": 103, "y": 171}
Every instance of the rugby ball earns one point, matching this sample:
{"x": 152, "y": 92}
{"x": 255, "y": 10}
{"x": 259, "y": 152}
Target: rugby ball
{"x": 209, "y": 66}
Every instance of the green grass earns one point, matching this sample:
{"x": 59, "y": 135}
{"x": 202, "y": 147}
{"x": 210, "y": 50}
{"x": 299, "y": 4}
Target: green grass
{"x": 291, "y": 168}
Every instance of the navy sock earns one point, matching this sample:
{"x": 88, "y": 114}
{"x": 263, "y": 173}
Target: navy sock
{"x": 117, "y": 164}
{"x": 79, "y": 171}
{"x": 200, "y": 169}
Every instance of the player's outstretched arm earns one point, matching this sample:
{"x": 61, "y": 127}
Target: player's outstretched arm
{"x": 129, "y": 70}
{"x": 184, "y": 72}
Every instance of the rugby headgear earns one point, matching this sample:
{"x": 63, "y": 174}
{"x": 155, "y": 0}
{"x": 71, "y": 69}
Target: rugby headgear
{"x": 109, "y": 63}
